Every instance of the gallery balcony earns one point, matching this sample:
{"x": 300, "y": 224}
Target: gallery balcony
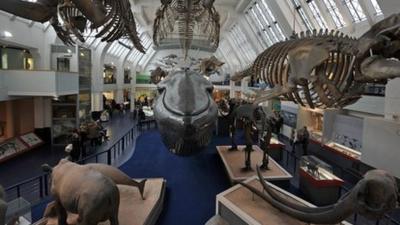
{"x": 38, "y": 83}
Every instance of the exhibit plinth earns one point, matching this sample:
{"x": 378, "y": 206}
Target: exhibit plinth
{"x": 240, "y": 206}
{"x": 132, "y": 210}
{"x": 234, "y": 162}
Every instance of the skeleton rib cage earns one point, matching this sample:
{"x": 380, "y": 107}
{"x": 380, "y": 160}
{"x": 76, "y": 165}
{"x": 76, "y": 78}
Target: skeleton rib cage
{"x": 331, "y": 83}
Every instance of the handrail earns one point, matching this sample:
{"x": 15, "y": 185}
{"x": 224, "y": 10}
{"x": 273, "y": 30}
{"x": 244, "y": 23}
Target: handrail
{"x": 38, "y": 187}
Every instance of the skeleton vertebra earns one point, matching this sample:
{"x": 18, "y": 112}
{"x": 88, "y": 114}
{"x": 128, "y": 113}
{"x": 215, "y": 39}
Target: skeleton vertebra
{"x": 372, "y": 197}
{"x": 322, "y": 70}
{"x": 185, "y": 112}
{"x": 192, "y": 17}
{"x": 113, "y": 18}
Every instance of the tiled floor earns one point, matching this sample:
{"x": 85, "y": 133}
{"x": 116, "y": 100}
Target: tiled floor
{"x": 28, "y": 165}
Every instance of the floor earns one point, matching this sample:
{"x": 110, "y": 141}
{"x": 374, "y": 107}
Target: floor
{"x": 28, "y": 165}
{"x": 192, "y": 182}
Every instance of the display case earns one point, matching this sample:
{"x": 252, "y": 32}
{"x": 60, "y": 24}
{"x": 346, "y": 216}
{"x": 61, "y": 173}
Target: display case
{"x": 19, "y": 212}
{"x": 344, "y": 151}
{"x": 318, "y": 182}
{"x": 18, "y": 145}
{"x": 11, "y": 147}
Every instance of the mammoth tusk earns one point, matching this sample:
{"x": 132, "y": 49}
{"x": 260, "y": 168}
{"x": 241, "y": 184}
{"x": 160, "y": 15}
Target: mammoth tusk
{"x": 278, "y": 197}
{"x": 339, "y": 212}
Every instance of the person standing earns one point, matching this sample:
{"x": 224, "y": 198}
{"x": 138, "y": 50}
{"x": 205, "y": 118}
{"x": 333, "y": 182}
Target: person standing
{"x": 292, "y": 137}
{"x": 305, "y": 140}
{"x": 75, "y": 152}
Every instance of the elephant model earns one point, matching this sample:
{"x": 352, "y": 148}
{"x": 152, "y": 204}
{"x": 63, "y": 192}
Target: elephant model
{"x": 84, "y": 191}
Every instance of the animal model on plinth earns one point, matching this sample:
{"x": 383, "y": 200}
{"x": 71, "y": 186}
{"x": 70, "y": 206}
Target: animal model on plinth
{"x": 84, "y": 191}
{"x": 372, "y": 197}
{"x": 109, "y": 20}
{"x": 327, "y": 69}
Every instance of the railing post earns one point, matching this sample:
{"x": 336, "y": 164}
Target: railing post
{"x": 41, "y": 187}
{"x": 123, "y": 143}
{"x": 46, "y": 183}
{"x": 109, "y": 157}
{"x": 18, "y": 191}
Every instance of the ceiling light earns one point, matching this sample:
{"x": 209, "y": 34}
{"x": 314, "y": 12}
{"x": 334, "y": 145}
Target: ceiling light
{"x": 69, "y": 51}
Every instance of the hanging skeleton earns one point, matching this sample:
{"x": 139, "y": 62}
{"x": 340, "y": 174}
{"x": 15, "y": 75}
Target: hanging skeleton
{"x": 187, "y": 18}
{"x": 109, "y": 20}
{"x": 328, "y": 69}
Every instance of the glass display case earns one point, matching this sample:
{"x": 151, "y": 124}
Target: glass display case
{"x": 19, "y": 212}
{"x": 317, "y": 181}
{"x": 317, "y": 168}
{"x": 344, "y": 150}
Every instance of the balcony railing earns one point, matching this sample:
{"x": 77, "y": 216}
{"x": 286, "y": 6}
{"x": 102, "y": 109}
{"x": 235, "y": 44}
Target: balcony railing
{"x": 37, "y": 188}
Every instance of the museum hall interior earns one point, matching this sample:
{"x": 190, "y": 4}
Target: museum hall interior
{"x": 199, "y": 112}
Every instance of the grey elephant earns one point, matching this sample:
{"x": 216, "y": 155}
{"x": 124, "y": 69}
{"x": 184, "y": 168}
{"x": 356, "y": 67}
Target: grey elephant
{"x": 84, "y": 191}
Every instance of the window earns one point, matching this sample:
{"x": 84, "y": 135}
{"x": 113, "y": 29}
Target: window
{"x": 335, "y": 14}
{"x": 228, "y": 52}
{"x": 296, "y": 4}
{"x": 266, "y": 26}
{"x": 355, "y": 10}
{"x": 377, "y": 8}
{"x": 273, "y": 21}
{"x": 317, "y": 14}
{"x": 243, "y": 44}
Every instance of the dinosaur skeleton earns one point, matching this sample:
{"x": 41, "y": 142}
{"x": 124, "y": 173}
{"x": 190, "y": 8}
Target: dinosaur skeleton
{"x": 109, "y": 20}
{"x": 187, "y": 18}
{"x": 327, "y": 69}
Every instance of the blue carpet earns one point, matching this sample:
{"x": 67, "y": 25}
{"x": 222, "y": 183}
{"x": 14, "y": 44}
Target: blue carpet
{"x": 192, "y": 182}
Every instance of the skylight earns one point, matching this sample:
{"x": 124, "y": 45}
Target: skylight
{"x": 335, "y": 14}
{"x": 377, "y": 8}
{"x": 317, "y": 14}
{"x": 302, "y": 14}
{"x": 355, "y": 10}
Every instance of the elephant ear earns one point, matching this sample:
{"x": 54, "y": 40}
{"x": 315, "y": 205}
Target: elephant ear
{"x": 47, "y": 168}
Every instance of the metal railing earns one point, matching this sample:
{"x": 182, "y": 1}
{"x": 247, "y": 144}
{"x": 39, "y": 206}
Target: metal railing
{"x": 37, "y": 188}
{"x": 291, "y": 157}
